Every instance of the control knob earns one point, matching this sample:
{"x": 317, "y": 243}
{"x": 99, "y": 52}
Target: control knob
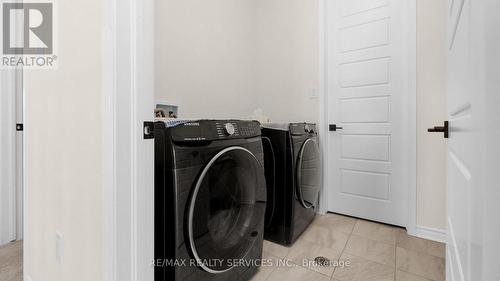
{"x": 229, "y": 129}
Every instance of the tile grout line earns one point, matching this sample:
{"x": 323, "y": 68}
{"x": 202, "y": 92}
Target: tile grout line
{"x": 345, "y": 246}
{"x": 342, "y": 251}
{"x": 396, "y": 258}
{"x": 379, "y": 263}
{"x": 418, "y": 253}
{"x": 274, "y": 268}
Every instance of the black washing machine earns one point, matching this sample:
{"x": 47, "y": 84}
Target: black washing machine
{"x": 293, "y": 172}
{"x": 210, "y": 200}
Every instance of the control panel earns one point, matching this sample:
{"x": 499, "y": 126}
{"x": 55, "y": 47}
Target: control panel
{"x": 209, "y": 130}
{"x": 303, "y": 129}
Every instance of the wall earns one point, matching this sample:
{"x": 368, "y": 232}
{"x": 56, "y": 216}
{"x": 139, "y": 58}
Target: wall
{"x": 64, "y": 152}
{"x": 431, "y": 111}
{"x": 226, "y": 58}
{"x": 205, "y": 57}
{"x": 288, "y": 58}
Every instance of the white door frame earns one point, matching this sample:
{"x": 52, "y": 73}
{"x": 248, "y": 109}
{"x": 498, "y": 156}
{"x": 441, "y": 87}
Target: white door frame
{"x": 128, "y": 88}
{"x": 8, "y": 196}
{"x": 411, "y": 176}
{"x": 20, "y": 145}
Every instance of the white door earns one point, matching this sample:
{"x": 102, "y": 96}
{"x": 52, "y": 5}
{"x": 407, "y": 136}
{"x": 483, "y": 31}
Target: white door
{"x": 368, "y": 97}
{"x": 473, "y": 247}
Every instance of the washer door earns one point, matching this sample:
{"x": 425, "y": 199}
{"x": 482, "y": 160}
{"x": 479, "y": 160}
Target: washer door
{"x": 308, "y": 174}
{"x": 226, "y": 210}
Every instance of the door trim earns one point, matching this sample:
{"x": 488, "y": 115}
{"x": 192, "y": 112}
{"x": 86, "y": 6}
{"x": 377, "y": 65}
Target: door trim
{"x": 411, "y": 131}
{"x": 128, "y": 48}
{"x": 8, "y": 198}
{"x": 429, "y": 233}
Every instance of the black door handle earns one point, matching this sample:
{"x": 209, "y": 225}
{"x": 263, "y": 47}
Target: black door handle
{"x": 444, "y": 129}
{"x": 334, "y": 128}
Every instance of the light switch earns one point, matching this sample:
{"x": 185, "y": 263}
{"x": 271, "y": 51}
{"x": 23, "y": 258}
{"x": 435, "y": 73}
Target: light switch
{"x": 314, "y": 94}
{"x": 59, "y": 247}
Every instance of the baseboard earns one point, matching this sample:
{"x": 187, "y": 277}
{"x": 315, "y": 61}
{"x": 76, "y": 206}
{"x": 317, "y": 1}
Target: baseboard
{"x": 429, "y": 233}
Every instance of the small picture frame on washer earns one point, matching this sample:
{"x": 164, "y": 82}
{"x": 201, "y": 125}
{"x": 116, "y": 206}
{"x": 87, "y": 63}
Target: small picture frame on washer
{"x": 164, "y": 109}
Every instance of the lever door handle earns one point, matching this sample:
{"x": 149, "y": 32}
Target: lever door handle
{"x": 334, "y": 128}
{"x": 441, "y": 129}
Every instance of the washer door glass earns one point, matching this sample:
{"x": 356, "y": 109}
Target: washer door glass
{"x": 226, "y": 210}
{"x": 308, "y": 174}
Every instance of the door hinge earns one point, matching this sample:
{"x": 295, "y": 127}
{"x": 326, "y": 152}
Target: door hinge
{"x": 444, "y": 129}
{"x": 19, "y": 127}
{"x": 149, "y": 130}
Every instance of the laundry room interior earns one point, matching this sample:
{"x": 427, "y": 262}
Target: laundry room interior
{"x": 262, "y": 60}
{"x": 242, "y": 58}
{"x": 252, "y": 140}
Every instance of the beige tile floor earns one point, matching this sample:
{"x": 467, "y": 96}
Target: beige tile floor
{"x": 11, "y": 268}
{"x": 369, "y": 252}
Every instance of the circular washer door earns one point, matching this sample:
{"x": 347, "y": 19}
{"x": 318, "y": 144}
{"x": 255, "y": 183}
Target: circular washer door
{"x": 226, "y": 210}
{"x": 308, "y": 174}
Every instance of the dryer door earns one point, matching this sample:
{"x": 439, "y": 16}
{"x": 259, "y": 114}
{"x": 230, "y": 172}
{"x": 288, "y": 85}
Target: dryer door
{"x": 308, "y": 174}
{"x": 226, "y": 210}
{"x": 270, "y": 173}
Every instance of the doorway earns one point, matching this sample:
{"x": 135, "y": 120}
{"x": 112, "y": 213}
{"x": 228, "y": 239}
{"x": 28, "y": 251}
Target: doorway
{"x": 11, "y": 168}
{"x": 370, "y": 110}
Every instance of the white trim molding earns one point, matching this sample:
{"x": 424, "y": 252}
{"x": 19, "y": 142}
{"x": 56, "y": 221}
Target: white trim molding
{"x": 323, "y": 117}
{"x": 128, "y": 101}
{"x": 412, "y": 115}
{"x": 429, "y": 233}
{"x": 8, "y": 187}
{"x": 108, "y": 141}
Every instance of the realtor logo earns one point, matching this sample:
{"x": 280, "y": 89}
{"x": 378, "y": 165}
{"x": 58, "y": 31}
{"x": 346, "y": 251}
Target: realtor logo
{"x": 28, "y": 35}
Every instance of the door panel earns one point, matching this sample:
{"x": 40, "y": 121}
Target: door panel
{"x": 366, "y": 35}
{"x": 364, "y": 73}
{"x": 365, "y": 147}
{"x": 461, "y": 159}
{"x": 365, "y": 110}
{"x": 367, "y": 94}
{"x": 473, "y": 248}
{"x": 490, "y": 208}
{"x": 350, "y": 7}
{"x": 370, "y": 185}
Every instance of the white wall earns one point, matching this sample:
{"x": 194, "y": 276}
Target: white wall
{"x": 205, "y": 55}
{"x": 431, "y": 111}
{"x": 225, "y": 58}
{"x": 64, "y": 152}
{"x": 288, "y": 56}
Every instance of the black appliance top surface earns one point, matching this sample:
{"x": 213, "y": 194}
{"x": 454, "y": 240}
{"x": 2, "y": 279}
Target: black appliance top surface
{"x": 211, "y": 130}
{"x": 294, "y": 128}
